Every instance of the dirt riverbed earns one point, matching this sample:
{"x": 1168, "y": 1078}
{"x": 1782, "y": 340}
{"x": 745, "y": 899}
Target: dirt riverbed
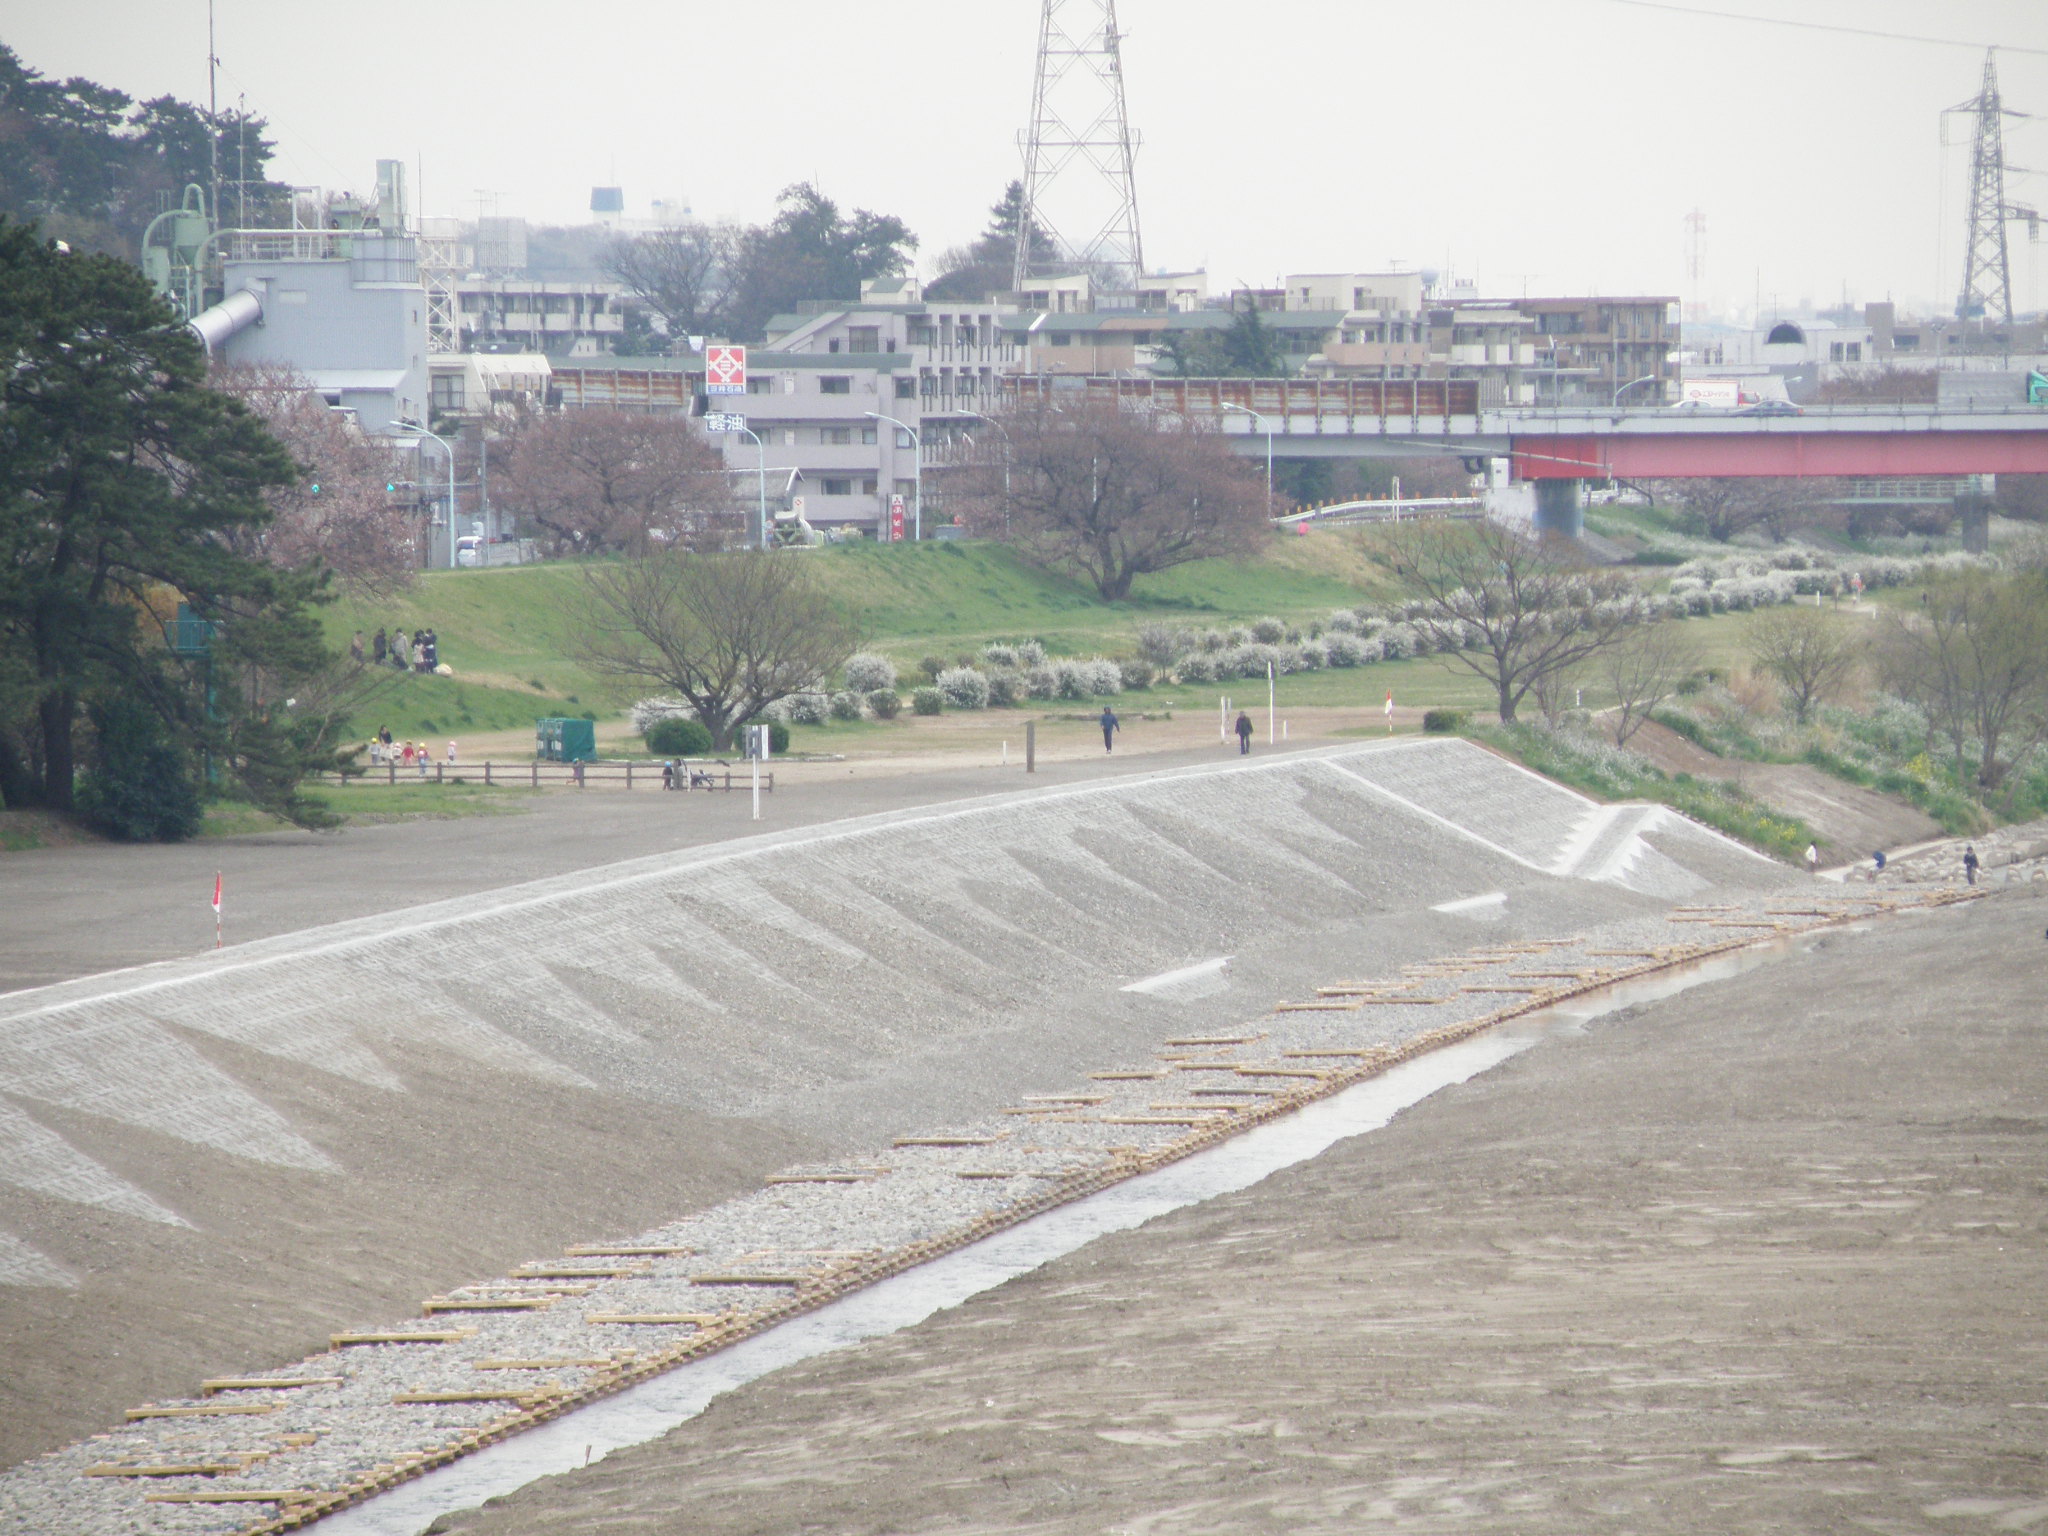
{"x": 1771, "y": 1255}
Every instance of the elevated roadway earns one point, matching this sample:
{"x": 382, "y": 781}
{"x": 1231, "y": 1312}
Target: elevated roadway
{"x": 1343, "y": 418}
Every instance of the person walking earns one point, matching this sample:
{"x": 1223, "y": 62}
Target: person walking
{"x": 1244, "y": 733}
{"x": 380, "y": 647}
{"x": 355, "y": 649}
{"x": 1110, "y": 725}
{"x": 425, "y": 753}
{"x": 1970, "y": 863}
{"x": 1877, "y": 859}
{"x": 1812, "y": 859}
{"x": 451, "y": 754}
{"x": 433, "y": 650}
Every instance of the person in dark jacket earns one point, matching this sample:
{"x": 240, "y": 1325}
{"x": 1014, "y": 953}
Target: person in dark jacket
{"x": 1970, "y": 863}
{"x": 1244, "y": 733}
{"x": 1109, "y": 724}
{"x": 379, "y": 647}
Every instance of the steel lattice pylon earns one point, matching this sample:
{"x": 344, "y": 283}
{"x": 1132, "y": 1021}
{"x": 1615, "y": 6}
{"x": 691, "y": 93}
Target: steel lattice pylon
{"x": 1080, "y": 137}
{"x": 1987, "y": 273}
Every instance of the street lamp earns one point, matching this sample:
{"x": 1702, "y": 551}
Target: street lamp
{"x": 449, "y": 453}
{"x": 1648, "y": 378}
{"x": 1009, "y": 451}
{"x": 916, "y": 470}
{"x": 760, "y": 482}
{"x": 1267, "y": 427}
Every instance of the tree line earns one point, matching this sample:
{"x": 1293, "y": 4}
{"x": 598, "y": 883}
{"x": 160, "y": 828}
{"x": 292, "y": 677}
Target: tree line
{"x": 93, "y": 165}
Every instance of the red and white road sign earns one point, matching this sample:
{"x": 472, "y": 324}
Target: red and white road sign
{"x": 725, "y": 370}
{"x": 895, "y": 519}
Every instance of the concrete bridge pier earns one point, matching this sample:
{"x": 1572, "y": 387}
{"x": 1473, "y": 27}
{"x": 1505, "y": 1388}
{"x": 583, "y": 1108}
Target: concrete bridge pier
{"x": 1561, "y": 507}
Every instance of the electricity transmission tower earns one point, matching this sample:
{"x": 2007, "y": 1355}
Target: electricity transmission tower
{"x": 1987, "y": 274}
{"x": 1079, "y": 141}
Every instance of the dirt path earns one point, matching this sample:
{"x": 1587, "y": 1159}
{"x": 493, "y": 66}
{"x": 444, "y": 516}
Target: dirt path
{"x": 1851, "y": 821}
{"x": 1768, "y": 1256}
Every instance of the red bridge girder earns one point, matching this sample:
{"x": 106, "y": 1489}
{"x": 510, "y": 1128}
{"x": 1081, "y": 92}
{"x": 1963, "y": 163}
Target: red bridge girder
{"x": 1777, "y": 451}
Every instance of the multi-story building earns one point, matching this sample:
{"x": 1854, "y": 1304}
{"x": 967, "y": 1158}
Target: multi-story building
{"x": 563, "y": 318}
{"x": 1596, "y": 350}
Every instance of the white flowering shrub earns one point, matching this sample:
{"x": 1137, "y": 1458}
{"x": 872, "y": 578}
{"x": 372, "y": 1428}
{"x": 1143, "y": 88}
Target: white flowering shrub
{"x": 807, "y": 709}
{"x": 1041, "y": 682}
{"x": 964, "y": 688}
{"x": 1101, "y": 677}
{"x": 848, "y": 705}
{"x": 866, "y": 672}
{"x": 1030, "y": 654}
{"x": 1344, "y": 650}
{"x": 1397, "y": 642}
{"x": 1342, "y": 621}
{"x": 1310, "y": 656}
{"x": 1137, "y": 672}
{"x": 1005, "y": 687}
{"x": 1163, "y": 644}
{"x": 997, "y": 654}
{"x": 1268, "y": 631}
{"x": 1199, "y": 667}
{"x": 1811, "y": 583}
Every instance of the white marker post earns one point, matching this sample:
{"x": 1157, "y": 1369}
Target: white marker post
{"x": 1271, "y": 731}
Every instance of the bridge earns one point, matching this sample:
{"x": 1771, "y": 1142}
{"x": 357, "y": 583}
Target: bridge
{"x": 1561, "y": 448}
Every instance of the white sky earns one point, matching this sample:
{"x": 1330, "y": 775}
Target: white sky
{"x": 1552, "y": 145}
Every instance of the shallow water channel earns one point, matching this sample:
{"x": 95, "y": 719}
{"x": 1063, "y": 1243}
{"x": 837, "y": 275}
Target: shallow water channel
{"x": 653, "y": 1408}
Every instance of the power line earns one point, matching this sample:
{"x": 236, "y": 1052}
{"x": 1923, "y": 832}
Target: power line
{"x": 1822, "y": 26}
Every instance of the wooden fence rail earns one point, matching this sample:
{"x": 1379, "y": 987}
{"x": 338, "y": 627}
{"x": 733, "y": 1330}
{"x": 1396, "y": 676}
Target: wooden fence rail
{"x": 535, "y": 775}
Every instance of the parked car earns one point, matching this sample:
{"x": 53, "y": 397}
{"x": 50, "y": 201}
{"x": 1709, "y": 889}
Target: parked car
{"x": 1772, "y": 408}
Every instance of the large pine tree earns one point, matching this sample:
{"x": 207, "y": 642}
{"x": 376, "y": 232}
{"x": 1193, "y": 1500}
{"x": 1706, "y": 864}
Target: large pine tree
{"x": 124, "y": 480}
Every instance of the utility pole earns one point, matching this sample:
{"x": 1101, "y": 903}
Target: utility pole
{"x": 1987, "y": 271}
{"x": 1081, "y": 131}
{"x": 212, "y": 116}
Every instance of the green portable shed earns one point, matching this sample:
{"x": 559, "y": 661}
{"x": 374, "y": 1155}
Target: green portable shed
{"x": 565, "y": 741}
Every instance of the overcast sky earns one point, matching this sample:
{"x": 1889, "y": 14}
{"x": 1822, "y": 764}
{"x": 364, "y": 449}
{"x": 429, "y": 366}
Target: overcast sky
{"x": 1537, "y": 145}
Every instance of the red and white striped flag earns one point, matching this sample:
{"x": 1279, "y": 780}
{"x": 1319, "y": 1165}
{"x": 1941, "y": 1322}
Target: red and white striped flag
{"x": 216, "y": 893}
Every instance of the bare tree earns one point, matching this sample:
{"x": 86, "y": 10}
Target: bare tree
{"x": 1810, "y": 652}
{"x": 1111, "y": 494}
{"x": 1976, "y": 661}
{"x": 1720, "y": 508}
{"x": 342, "y": 511}
{"x": 1538, "y": 610}
{"x": 600, "y": 481}
{"x": 728, "y": 633}
{"x": 1644, "y": 670}
{"x": 682, "y": 272}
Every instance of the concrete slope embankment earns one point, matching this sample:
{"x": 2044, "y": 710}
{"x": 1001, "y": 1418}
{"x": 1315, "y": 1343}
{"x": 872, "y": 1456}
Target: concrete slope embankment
{"x": 204, "y": 1164}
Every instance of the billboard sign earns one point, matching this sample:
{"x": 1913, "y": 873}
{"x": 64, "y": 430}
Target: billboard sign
{"x": 725, "y": 370}
{"x": 895, "y": 519}
{"x": 724, "y": 421}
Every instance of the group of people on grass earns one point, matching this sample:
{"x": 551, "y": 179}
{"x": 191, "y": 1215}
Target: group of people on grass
{"x": 413, "y": 756}
{"x": 418, "y": 652}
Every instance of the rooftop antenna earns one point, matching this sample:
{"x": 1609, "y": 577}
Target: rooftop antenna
{"x": 1080, "y": 130}
{"x": 1987, "y": 268}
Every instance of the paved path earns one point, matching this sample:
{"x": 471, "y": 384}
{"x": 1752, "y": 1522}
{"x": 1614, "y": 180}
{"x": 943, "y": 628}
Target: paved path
{"x": 75, "y": 910}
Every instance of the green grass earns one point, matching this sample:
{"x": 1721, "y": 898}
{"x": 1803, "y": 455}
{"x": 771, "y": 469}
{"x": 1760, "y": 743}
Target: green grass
{"x": 1596, "y": 768}
{"x": 372, "y": 803}
{"x": 502, "y": 631}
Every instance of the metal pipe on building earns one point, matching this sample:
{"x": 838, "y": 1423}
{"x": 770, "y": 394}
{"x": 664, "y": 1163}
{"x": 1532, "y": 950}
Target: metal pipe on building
{"x": 237, "y": 312}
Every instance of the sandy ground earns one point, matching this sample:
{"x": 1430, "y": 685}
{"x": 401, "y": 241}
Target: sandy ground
{"x": 1771, "y": 1255}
